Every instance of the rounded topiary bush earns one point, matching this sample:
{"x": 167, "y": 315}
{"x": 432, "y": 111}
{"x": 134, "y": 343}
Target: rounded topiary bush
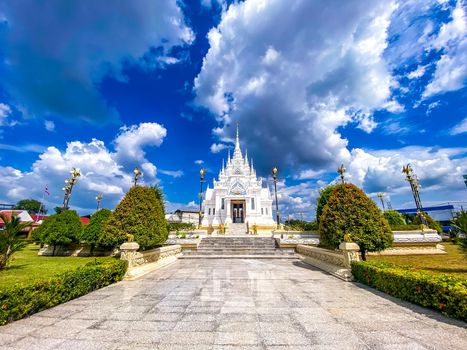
{"x": 140, "y": 214}
{"x": 92, "y": 231}
{"x": 59, "y": 229}
{"x": 349, "y": 212}
{"x": 324, "y": 195}
{"x": 394, "y": 218}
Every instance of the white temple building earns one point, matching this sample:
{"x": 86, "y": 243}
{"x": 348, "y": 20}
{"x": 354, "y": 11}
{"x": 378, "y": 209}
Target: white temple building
{"x": 238, "y": 196}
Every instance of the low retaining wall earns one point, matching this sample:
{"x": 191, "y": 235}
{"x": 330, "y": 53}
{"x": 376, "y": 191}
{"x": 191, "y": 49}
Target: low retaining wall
{"x": 336, "y": 262}
{"x": 416, "y": 242}
{"x": 141, "y": 263}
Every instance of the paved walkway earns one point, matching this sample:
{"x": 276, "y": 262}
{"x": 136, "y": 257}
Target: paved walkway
{"x": 235, "y": 304}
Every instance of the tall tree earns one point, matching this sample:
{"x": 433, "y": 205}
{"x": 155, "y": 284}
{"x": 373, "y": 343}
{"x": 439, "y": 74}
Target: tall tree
{"x": 92, "y": 231}
{"x": 32, "y": 206}
{"x": 59, "y": 229}
{"x": 139, "y": 214}
{"x": 324, "y": 195}
{"x": 350, "y": 214}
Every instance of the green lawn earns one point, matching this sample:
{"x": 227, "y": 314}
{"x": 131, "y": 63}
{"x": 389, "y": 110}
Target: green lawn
{"x": 27, "y": 265}
{"x": 454, "y": 262}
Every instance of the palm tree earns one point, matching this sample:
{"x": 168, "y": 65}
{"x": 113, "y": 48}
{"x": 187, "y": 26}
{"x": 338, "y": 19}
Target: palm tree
{"x": 9, "y": 240}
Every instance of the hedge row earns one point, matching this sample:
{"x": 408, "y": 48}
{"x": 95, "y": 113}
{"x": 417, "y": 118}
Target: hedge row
{"x": 26, "y": 299}
{"x": 439, "y": 292}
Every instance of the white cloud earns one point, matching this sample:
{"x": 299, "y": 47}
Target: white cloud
{"x": 292, "y": 80}
{"x": 432, "y": 106}
{"x": 130, "y": 143}
{"x": 5, "y": 112}
{"x": 460, "y": 128}
{"x": 309, "y": 174}
{"x": 172, "y": 173}
{"x": 102, "y": 170}
{"x": 29, "y": 147}
{"x": 199, "y": 161}
{"x": 451, "y": 69}
{"x": 217, "y": 147}
{"x": 417, "y": 73}
{"x": 440, "y": 170}
{"x": 49, "y": 125}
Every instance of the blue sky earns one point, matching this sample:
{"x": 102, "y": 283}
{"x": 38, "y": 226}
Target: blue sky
{"x": 160, "y": 85}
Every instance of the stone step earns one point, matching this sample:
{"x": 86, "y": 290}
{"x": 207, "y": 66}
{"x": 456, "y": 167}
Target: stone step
{"x": 238, "y": 257}
{"x": 209, "y": 250}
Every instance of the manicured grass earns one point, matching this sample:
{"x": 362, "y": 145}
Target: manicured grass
{"x": 26, "y": 266}
{"x": 453, "y": 263}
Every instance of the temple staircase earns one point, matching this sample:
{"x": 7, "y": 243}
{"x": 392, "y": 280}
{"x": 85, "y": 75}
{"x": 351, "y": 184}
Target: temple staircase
{"x": 239, "y": 247}
{"x": 236, "y": 230}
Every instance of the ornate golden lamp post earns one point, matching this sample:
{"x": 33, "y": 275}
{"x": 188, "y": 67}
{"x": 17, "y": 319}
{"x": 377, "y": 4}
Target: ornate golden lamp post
{"x": 414, "y": 182}
{"x": 341, "y": 170}
{"x": 69, "y": 183}
{"x": 201, "y": 181}
{"x": 274, "y": 177}
{"x": 137, "y": 173}
{"x": 380, "y": 196}
{"x": 99, "y": 199}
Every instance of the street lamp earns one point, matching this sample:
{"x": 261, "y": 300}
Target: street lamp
{"x": 341, "y": 170}
{"x": 381, "y": 195}
{"x": 201, "y": 181}
{"x": 99, "y": 199}
{"x": 75, "y": 173}
{"x": 274, "y": 176}
{"x": 414, "y": 182}
{"x": 137, "y": 173}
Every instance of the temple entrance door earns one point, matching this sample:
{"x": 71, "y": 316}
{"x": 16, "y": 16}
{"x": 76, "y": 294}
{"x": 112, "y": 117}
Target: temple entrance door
{"x": 238, "y": 212}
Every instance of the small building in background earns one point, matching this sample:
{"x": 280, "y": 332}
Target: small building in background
{"x": 183, "y": 216}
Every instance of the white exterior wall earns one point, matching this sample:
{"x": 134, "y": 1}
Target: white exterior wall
{"x": 237, "y": 181}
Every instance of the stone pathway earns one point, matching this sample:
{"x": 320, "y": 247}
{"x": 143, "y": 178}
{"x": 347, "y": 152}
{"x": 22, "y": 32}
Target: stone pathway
{"x": 235, "y": 304}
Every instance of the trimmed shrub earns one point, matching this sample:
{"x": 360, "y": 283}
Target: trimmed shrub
{"x": 92, "y": 231}
{"x": 324, "y": 195}
{"x": 26, "y": 299}
{"x": 350, "y": 213}
{"x": 394, "y": 218}
{"x": 180, "y": 226}
{"x": 59, "y": 229}
{"x": 439, "y": 292}
{"x": 140, "y": 214}
{"x": 300, "y": 225}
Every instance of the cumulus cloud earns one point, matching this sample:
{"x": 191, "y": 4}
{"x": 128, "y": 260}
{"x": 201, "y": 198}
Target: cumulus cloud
{"x": 199, "y": 161}
{"x": 296, "y": 201}
{"x": 291, "y": 77}
{"x": 451, "y": 69}
{"x": 102, "y": 170}
{"x": 53, "y": 61}
{"x": 440, "y": 170}
{"x": 130, "y": 144}
{"x": 460, "y": 128}
{"x": 217, "y": 147}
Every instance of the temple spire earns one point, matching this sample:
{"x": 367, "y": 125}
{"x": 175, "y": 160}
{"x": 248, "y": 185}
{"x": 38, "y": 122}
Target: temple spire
{"x": 237, "y": 151}
{"x": 228, "y": 156}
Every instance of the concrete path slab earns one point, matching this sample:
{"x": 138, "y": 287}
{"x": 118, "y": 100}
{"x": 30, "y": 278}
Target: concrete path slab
{"x": 235, "y": 304}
